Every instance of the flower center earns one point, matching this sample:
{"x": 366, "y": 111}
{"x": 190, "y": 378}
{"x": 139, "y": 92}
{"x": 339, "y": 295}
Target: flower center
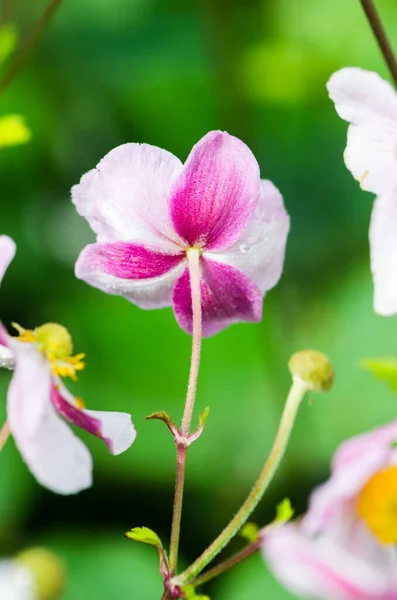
{"x": 56, "y": 344}
{"x": 377, "y": 505}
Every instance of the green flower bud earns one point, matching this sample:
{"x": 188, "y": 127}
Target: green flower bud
{"x": 313, "y": 368}
{"x": 47, "y": 570}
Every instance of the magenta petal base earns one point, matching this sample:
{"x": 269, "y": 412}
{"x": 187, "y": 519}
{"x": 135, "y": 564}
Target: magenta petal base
{"x": 227, "y": 296}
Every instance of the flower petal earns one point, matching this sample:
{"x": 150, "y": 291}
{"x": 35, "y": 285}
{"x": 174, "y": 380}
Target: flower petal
{"x": 259, "y": 252}
{"x": 215, "y": 196}
{"x": 370, "y": 155}
{"x": 16, "y": 581}
{"x": 383, "y": 242}
{"x": 355, "y": 461}
{"x": 7, "y": 253}
{"x": 370, "y": 104}
{"x": 361, "y": 96}
{"x": 29, "y": 390}
{"x": 143, "y": 275}
{"x": 126, "y": 196}
{"x": 114, "y": 428}
{"x": 55, "y": 456}
{"x": 227, "y": 296}
{"x": 322, "y": 569}
{"x": 7, "y": 356}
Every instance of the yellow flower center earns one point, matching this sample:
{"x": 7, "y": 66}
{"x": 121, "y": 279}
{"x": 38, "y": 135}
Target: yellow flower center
{"x": 56, "y": 344}
{"x": 377, "y": 505}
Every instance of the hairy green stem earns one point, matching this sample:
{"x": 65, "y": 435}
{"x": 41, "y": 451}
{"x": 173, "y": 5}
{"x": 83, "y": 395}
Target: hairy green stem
{"x": 295, "y": 396}
{"x": 228, "y": 563}
{"x": 381, "y": 36}
{"x": 27, "y": 47}
{"x": 193, "y": 256}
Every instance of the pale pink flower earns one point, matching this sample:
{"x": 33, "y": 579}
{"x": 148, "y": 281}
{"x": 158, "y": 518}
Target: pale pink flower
{"x": 344, "y": 547}
{"x": 38, "y": 403}
{"x": 148, "y": 209}
{"x": 369, "y": 104}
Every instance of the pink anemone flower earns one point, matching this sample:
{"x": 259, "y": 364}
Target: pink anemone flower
{"x": 38, "y": 404}
{"x": 369, "y": 104}
{"x": 344, "y": 547}
{"x": 148, "y": 209}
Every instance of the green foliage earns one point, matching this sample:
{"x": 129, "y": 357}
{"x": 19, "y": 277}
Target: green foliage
{"x": 145, "y": 536}
{"x": 190, "y": 594}
{"x": 383, "y": 368}
{"x": 250, "y": 532}
{"x": 284, "y": 512}
{"x": 155, "y": 75}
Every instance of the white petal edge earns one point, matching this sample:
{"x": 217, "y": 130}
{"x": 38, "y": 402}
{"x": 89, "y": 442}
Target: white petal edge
{"x": 54, "y": 455}
{"x": 7, "y": 253}
{"x": 361, "y": 96}
{"x": 115, "y": 426}
{"x": 383, "y": 245}
{"x": 259, "y": 252}
{"x": 146, "y": 293}
{"x": 126, "y": 196}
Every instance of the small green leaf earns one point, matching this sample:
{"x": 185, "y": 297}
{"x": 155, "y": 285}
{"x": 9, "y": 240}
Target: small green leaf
{"x": 190, "y": 593}
{"x": 284, "y": 511}
{"x": 160, "y": 415}
{"x": 203, "y": 417}
{"x": 383, "y": 368}
{"x": 145, "y": 536}
{"x": 8, "y": 41}
{"x": 250, "y": 532}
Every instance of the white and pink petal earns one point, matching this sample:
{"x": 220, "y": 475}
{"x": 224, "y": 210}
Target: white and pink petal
{"x": 352, "y": 466}
{"x": 54, "y": 455}
{"x": 126, "y": 196}
{"x": 322, "y": 569}
{"x": 7, "y": 356}
{"x": 260, "y": 251}
{"x": 215, "y": 196}
{"x": 7, "y": 253}
{"x": 227, "y": 297}
{"x": 113, "y": 428}
{"x": 140, "y": 273}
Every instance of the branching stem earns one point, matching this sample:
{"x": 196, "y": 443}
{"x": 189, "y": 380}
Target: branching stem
{"x": 193, "y": 255}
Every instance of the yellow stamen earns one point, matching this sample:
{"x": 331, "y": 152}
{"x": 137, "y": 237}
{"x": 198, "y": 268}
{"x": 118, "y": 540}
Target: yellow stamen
{"x": 25, "y": 335}
{"x": 377, "y": 505}
{"x": 56, "y": 344}
{"x": 80, "y": 403}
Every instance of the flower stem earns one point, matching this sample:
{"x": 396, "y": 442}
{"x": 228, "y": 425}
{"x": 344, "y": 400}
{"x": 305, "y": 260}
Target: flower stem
{"x": 292, "y": 404}
{"x": 381, "y": 36}
{"x": 25, "y": 50}
{"x": 193, "y": 256}
{"x": 228, "y": 563}
{"x": 4, "y": 435}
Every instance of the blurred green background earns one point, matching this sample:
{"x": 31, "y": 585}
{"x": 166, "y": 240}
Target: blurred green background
{"x": 165, "y": 72}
